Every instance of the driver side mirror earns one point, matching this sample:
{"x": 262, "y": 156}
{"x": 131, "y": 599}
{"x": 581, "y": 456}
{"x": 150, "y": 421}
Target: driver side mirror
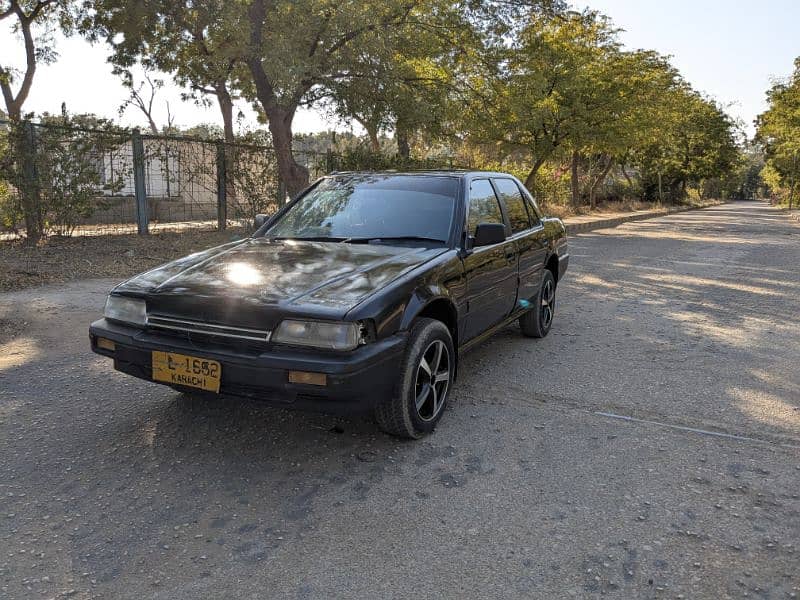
{"x": 487, "y": 234}
{"x": 260, "y": 220}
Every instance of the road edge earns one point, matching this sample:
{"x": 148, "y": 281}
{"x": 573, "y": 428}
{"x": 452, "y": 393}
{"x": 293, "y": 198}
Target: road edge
{"x": 609, "y": 222}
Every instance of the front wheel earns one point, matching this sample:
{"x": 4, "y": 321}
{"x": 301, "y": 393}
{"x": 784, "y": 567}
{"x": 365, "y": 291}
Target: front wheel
{"x": 538, "y": 320}
{"x": 426, "y": 375}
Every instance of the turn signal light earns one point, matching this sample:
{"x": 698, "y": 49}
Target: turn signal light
{"x": 308, "y": 378}
{"x": 106, "y": 344}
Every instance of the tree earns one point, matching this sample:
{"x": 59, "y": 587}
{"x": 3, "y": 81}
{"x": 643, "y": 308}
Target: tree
{"x": 299, "y": 49}
{"x": 189, "y": 40}
{"x": 295, "y": 46}
{"x": 27, "y": 16}
{"x": 693, "y": 141}
{"x": 779, "y": 134}
{"x": 143, "y": 96}
{"x": 562, "y": 89}
{"x": 284, "y": 54}
{"x": 406, "y": 92}
{"x": 544, "y": 88}
{"x": 626, "y": 114}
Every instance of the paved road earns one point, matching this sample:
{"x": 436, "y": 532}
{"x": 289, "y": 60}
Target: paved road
{"x": 115, "y": 488}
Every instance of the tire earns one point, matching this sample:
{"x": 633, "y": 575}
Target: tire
{"x": 538, "y": 320}
{"x": 416, "y": 405}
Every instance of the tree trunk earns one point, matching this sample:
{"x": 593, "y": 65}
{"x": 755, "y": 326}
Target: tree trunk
{"x": 374, "y": 142}
{"x": 403, "y": 146}
{"x": 625, "y": 174}
{"x": 597, "y": 182}
{"x": 226, "y": 108}
{"x": 14, "y": 111}
{"x": 291, "y": 174}
{"x": 25, "y": 142}
{"x": 14, "y": 103}
{"x": 530, "y": 180}
{"x": 152, "y": 123}
{"x": 574, "y": 183}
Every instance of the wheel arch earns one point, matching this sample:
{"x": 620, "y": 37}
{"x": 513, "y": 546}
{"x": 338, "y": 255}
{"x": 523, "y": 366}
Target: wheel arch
{"x": 552, "y": 266}
{"x": 440, "y": 308}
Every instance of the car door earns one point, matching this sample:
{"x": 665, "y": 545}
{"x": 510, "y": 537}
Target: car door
{"x": 527, "y": 233}
{"x": 491, "y": 271}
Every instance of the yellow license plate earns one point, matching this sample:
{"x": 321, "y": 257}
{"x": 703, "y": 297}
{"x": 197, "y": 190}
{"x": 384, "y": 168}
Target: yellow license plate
{"x": 190, "y": 371}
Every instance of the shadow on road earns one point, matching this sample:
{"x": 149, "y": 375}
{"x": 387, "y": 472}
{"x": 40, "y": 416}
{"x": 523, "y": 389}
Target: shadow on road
{"x": 693, "y": 319}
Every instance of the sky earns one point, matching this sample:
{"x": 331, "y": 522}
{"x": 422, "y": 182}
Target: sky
{"x": 728, "y": 49}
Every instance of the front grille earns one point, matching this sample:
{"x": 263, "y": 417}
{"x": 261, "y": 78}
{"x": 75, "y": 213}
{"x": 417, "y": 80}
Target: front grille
{"x": 208, "y": 329}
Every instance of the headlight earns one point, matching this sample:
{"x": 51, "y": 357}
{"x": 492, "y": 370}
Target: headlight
{"x": 319, "y": 334}
{"x": 126, "y": 310}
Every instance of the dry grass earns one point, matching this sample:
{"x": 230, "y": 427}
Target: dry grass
{"x": 121, "y": 256}
{"x": 624, "y": 206}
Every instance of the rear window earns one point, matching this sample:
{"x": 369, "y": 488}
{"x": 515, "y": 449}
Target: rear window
{"x": 515, "y": 205}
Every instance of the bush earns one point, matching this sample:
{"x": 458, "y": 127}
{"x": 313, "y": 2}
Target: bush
{"x": 361, "y": 159}
{"x": 53, "y": 175}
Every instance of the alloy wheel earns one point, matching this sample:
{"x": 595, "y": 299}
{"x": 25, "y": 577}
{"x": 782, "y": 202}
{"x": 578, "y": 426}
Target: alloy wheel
{"x": 548, "y": 303}
{"x": 433, "y": 379}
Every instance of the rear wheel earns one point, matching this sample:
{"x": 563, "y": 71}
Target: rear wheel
{"x": 538, "y": 320}
{"x": 426, "y": 375}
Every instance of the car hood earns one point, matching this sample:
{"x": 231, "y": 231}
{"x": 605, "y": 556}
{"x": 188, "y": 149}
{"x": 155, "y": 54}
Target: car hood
{"x": 236, "y": 283}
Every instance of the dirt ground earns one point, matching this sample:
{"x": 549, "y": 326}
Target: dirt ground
{"x": 65, "y": 259}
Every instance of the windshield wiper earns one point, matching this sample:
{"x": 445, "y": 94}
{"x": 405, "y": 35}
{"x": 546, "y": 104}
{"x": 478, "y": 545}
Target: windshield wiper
{"x": 319, "y": 238}
{"x": 401, "y": 238}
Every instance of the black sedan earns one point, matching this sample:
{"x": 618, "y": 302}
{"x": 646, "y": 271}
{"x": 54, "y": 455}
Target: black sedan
{"x": 358, "y": 296}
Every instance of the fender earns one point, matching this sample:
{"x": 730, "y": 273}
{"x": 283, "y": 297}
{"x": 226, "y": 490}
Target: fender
{"x": 423, "y": 298}
{"x": 435, "y": 302}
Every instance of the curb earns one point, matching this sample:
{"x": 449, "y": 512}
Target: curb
{"x": 615, "y": 221}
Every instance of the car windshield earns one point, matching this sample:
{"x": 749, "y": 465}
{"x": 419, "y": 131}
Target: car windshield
{"x": 372, "y": 207}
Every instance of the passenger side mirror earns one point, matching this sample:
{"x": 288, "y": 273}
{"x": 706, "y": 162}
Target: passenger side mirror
{"x": 260, "y": 220}
{"x": 487, "y": 234}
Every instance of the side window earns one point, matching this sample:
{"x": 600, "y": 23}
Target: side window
{"x": 483, "y": 206}
{"x": 533, "y": 209}
{"x": 515, "y": 205}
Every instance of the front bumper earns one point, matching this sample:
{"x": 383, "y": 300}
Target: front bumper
{"x": 356, "y": 380}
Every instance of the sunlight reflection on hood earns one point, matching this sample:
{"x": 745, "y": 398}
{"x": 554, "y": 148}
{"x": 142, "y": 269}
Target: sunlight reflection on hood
{"x": 242, "y": 273}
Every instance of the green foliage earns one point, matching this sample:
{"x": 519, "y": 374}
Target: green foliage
{"x": 779, "y": 133}
{"x": 70, "y": 168}
{"x": 253, "y": 176}
{"x": 361, "y": 159}
{"x": 10, "y": 210}
{"x": 694, "y": 143}
{"x": 565, "y": 90}
{"x": 54, "y": 174}
{"x": 544, "y": 89}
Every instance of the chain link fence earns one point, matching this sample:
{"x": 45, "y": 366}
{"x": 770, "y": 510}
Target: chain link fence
{"x": 75, "y": 181}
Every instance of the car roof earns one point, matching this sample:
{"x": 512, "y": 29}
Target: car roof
{"x": 460, "y": 173}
